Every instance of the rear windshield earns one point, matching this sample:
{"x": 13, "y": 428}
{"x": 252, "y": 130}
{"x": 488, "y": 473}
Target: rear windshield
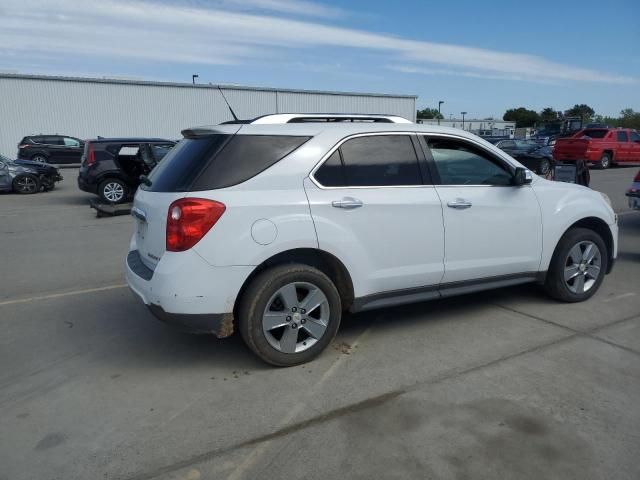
{"x": 595, "y": 133}
{"x": 218, "y": 161}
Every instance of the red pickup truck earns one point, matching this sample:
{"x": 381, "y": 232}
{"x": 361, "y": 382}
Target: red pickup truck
{"x": 602, "y": 146}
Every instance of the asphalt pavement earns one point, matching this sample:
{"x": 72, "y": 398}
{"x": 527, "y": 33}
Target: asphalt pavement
{"x": 503, "y": 384}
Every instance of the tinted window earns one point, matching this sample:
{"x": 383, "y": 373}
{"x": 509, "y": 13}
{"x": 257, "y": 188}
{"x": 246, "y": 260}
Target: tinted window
{"x": 461, "y": 164}
{"x": 243, "y": 157}
{"x": 37, "y": 139}
{"x": 218, "y": 161}
{"x": 595, "y": 133}
{"x": 53, "y": 140}
{"x": 331, "y": 173}
{"x": 622, "y": 136}
{"x": 184, "y": 163}
{"x": 635, "y": 137}
{"x": 160, "y": 151}
{"x": 380, "y": 160}
{"x": 507, "y": 144}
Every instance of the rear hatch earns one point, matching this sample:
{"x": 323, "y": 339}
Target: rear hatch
{"x": 169, "y": 181}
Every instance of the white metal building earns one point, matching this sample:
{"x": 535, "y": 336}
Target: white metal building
{"x": 90, "y": 107}
{"x": 482, "y": 127}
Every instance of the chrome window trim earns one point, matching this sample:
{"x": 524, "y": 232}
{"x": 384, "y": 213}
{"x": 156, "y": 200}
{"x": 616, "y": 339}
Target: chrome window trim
{"x": 356, "y": 135}
{"x": 415, "y": 134}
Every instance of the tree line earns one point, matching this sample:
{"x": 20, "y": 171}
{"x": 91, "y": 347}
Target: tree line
{"x": 524, "y": 117}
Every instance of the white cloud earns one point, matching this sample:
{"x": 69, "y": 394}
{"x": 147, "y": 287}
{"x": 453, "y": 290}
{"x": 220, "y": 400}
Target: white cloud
{"x": 469, "y": 74}
{"x": 192, "y": 33}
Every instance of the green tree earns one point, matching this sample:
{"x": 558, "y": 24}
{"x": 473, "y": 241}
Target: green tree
{"x": 549, "y": 115}
{"x": 522, "y": 117}
{"x": 629, "y": 119}
{"x": 583, "y": 111}
{"x": 428, "y": 113}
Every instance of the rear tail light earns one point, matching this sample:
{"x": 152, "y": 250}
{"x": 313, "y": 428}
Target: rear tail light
{"x": 91, "y": 157}
{"x": 189, "y": 219}
{"x": 637, "y": 179}
{"x": 24, "y": 145}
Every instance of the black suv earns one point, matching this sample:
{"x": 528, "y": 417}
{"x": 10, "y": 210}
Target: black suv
{"x": 51, "y": 148}
{"x": 111, "y": 167}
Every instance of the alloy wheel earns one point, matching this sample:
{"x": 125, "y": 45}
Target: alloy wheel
{"x": 113, "y": 191}
{"x": 296, "y": 317}
{"x": 26, "y": 185}
{"x": 582, "y": 267}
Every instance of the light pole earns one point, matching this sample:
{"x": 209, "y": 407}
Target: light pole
{"x": 463, "y": 114}
{"x": 439, "y": 103}
{"x": 193, "y": 78}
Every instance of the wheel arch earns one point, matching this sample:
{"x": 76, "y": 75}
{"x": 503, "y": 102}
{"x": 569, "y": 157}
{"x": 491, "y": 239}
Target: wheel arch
{"x": 601, "y": 228}
{"x": 324, "y": 261}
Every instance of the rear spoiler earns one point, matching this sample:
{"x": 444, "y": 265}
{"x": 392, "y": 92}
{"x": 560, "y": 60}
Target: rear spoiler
{"x": 206, "y": 131}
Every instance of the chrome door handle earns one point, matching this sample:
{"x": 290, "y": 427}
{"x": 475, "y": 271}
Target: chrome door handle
{"x": 348, "y": 203}
{"x": 460, "y": 204}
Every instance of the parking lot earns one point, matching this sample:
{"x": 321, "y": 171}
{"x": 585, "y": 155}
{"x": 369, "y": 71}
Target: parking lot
{"x": 503, "y": 384}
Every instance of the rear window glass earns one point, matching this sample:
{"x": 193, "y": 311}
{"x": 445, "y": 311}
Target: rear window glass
{"x": 592, "y": 133}
{"x": 218, "y": 161}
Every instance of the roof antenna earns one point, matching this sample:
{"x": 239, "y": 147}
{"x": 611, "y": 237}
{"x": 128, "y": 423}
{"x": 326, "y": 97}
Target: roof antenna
{"x": 225, "y": 101}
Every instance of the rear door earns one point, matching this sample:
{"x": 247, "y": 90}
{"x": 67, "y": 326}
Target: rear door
{"x": 492, "y": 228}
{"x": 5, "y": 178}
{"x": 634, "y": 147}
{"x": 54, "y": 145}
{"x": 623, "y": 150}
{"x": 72, "y": 150}
{"x": 374, "y": 207}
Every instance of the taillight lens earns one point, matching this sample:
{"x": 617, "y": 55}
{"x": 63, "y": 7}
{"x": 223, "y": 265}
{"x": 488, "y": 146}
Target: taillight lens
{"x": 637, "y": 179}
{"x": 24, "y": 145}
{"x": 91, "y": 157}
{"x": 189, "y": 219}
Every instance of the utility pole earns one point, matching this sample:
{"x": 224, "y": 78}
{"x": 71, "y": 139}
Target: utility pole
{"x": 193, "y": 78}
{"x": 463, "y": 114}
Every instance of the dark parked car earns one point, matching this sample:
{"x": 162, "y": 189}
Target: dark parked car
{"x": 111, "y": 167}
{"x": 530, "y": 154}
{"x": 51, "y": 149}
{"x": 19, "y": 178}
{"x": 49, "y": 174}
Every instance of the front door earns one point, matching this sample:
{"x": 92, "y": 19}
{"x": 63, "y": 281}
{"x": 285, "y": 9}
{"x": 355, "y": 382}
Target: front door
{"x": 72, "y": 150}
{"x": 634, "y": 147}
{"x": 374, "y": 210}
{"x": 492, "y": 228}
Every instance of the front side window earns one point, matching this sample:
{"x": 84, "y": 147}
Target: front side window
{"x": 71, "y": 142}
{"x": 459, "y": 163}
{"x": 622, "y": 136}
{"x": 635, "y": 137}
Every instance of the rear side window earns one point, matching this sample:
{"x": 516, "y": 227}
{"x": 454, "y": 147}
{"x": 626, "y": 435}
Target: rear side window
{"x": 243, "y": 157}
{"x": 622, "y": 136}
{"x": 372, "y": 161}
{"x": 635, "y": 137}
{"x": 595, "y": 133}
{"x": 218, "y": 161}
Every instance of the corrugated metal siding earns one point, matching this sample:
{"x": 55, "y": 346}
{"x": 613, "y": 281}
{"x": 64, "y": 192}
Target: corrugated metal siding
{"x": 87, "y": 109}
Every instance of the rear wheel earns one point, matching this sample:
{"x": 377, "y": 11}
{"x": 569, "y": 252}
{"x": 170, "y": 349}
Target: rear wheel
{"x": 544, "y": 167}
{"x": 578, "y": 266}
{"x": 39, "y": 158}
{"x": 113, "y": 190}
{"x": 26, "y": 184}
{"x": 605, "y": 161}
{"x": 289, "y": 314}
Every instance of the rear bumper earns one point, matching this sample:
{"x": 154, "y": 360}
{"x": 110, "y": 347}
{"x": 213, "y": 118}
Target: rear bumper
{"x": 634, "y": 198}
{"x": 187, "y": 292}
{"x": 86, "y": 186}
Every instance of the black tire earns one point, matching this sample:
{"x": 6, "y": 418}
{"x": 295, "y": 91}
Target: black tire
{"x": 26, "y": 184}
{"x": 555, "y": 284}
{"x": 605, "y": 161}
{"x": 39, "y": 158}
{"x": 261, "y": 290}
{"x": 113, "y": 190}
{"x": 544, "y": 167}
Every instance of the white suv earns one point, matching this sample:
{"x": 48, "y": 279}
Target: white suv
{"x": 278, "y": 229}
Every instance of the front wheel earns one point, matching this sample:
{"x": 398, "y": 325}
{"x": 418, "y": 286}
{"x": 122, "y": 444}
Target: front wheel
{"x": 26, "y": 184}
{"x": 289, "y": 314}
{"x": 577, "y": 267}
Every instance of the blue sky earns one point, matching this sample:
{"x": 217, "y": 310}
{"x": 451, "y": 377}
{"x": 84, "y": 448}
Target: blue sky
{"x": 480, "y": 57}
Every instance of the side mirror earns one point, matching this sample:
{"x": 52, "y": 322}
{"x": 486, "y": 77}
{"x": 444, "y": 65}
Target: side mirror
{"x": 522, "y": 176}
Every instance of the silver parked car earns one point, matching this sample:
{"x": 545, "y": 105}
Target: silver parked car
{"x": 634, "y": 193}
{"x": 18, "y": 178}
